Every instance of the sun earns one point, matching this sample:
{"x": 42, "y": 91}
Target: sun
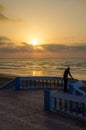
{"x": 35, "y": 42}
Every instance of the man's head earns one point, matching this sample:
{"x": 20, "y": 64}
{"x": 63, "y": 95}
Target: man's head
{"x": 68, "y": 68}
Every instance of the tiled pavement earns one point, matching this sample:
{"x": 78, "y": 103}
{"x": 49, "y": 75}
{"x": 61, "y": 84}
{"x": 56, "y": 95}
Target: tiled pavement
{"x": 23, "y": 110}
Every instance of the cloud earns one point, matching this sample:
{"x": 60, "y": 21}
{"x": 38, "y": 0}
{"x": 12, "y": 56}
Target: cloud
{"x": 6, "y": 45}
{"x": 81, "y": 48}
{"x": 4, "y": 41}
{"x": 9, "y": 47}
{"x": 25, "y": 47}
{"x": 2, "y": 8}
{"x": 2, "y": 15}
{"x": 4, "y": 18}
{"x": 54, "y": 47}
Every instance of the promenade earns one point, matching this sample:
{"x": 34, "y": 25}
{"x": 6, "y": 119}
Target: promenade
{"x": 24, "y": 110}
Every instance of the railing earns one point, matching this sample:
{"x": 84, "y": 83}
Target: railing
{"x": 8, "y": 84}
{"x": 67, "y": 103}
{"x": 76, "y": 87}
{"x": 38, "y": 82}
{"x": 35, "y": 82}
{"x": 79, "y": 91}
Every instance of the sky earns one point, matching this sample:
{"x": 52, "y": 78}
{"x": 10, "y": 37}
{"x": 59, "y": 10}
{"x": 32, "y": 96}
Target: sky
{"x": 43, "y": 28}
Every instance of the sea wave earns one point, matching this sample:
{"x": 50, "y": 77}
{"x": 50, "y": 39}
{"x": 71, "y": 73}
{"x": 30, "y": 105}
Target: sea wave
{"x": 42, "y": 67}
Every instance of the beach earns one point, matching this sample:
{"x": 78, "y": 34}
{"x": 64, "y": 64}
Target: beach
{"x": 4, "y": 78}
{"x": 23, "y": 110}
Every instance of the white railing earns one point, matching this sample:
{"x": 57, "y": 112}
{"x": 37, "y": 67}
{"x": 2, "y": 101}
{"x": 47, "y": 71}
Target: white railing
{"x": 35, "y": 82}
{"x": 38, "y": 82}
{"x": 81, "y": 92}
{"x": 76, "y": 87}
{"x": 8, "y": 84}
{"x": 67, "y": 103}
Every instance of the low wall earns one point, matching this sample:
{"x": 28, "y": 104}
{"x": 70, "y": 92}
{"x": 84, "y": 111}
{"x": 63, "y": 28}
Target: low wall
{"x": 67, "y": 103}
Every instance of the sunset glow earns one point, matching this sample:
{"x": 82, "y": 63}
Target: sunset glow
{"x": 35, "y": 42}
{"x": 53, "y": 28}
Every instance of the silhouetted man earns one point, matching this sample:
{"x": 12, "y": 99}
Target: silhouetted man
{"x": 65, "y": 77}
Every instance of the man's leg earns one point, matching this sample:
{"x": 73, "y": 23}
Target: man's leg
{"x": 65, "y": 84}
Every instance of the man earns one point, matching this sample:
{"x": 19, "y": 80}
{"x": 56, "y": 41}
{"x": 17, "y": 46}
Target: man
{"x": 65, "y": 77}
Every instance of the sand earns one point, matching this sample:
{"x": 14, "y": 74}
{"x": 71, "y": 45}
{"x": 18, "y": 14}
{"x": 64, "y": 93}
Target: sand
{"x": 24, "y": 110}
{"x": 5, "y": 78}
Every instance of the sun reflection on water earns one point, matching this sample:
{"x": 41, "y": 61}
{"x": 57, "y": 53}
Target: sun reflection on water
{"x": 37, "y": 73}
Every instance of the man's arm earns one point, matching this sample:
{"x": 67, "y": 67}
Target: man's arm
{"x": 70, "y": 75}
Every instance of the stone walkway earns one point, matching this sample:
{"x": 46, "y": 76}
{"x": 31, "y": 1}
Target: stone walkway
{"x": 23, "y": 110}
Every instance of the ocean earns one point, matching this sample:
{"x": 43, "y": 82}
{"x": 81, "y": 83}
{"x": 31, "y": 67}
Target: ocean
{"x": 43, "y": 67}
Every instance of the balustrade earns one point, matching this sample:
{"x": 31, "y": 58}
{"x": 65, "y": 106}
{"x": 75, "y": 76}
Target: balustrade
{"x": 44, "y": 82}
{"x": 66, "y": 103}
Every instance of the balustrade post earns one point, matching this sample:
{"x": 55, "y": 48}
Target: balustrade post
{"x": 55, "y": 103}
{"x": 60, "y": 104}
{"x": 26, "y": 83}
{"x": 83, "y": 110}
{"x": 30, "y": 84}
{"x": 71, "y": 106}
{"x": 17, "y": 83}
{"x": 43, "y": 83}
{"x": 65, "y": 105}
{"x": 34, "y": 84}
{"x": 47, "y": 99}
{"x": 46, "y": 84}
{"x": 77, "y": 108}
